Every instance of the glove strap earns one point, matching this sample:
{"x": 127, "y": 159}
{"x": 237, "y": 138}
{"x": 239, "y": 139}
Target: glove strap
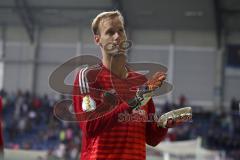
{"x": 134, "y": 102}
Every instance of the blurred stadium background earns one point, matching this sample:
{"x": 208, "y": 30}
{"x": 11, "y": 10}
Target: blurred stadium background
{"x": 198, "y": 40}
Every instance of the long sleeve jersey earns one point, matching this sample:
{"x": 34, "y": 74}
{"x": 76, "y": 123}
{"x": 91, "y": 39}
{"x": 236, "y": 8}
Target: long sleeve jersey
{"x": 119, "y": 133}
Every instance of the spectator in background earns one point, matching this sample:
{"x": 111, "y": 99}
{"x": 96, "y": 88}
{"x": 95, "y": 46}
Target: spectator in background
{"x": 1, "y": 132}
{"x": 62, "y": 136}
{"x": 235, "y": 105}
{"x": 182, "y": 100}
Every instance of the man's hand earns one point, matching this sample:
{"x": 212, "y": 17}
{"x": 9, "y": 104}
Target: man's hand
{"x": 175, "y": 117}
{"x": 145, "y": 91}
{"x": 156, "y": 80}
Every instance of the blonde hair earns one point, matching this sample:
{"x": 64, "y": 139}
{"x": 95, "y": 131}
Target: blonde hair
{"x": 104, "y": 15}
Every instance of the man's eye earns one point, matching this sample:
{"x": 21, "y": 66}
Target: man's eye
{"x": 120, "y": 30}
{"x": 110, "y": 32}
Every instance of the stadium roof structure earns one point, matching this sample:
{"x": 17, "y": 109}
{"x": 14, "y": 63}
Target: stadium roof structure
{"x": 141, "y": 14}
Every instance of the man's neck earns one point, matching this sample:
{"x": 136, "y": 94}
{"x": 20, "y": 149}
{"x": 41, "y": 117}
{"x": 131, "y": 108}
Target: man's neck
{"x": 116, "y": 64}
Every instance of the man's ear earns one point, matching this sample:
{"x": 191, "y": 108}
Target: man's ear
{"x": 97, "y": 39}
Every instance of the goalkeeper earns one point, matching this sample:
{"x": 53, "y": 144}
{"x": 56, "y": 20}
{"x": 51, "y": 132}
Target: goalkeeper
{"x": 109, "y": 89}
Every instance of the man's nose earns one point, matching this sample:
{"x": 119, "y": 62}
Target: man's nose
{"x": 116, "y": 36}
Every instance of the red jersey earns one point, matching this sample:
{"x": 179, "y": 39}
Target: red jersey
{"x": 113, "y": 136}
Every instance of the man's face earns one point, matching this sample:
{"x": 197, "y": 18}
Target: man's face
{"x": 111, "y": 30}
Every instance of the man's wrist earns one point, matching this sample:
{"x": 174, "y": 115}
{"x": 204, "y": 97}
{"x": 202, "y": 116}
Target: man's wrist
{"x": 134, "y": 102}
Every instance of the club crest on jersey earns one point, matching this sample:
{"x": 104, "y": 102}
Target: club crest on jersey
{"x": 88, "y": 104}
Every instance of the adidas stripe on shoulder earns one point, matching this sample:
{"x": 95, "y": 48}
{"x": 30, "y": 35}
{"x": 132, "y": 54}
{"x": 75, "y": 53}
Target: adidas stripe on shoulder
{"x": 84, "y": 74}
